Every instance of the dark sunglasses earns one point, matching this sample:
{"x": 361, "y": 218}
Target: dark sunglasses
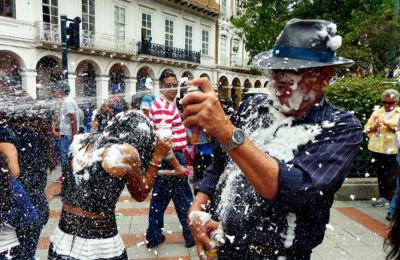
{"x": 388, "y": 102}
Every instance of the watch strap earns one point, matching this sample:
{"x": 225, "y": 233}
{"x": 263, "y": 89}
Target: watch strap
{"x": 233, "y": 143}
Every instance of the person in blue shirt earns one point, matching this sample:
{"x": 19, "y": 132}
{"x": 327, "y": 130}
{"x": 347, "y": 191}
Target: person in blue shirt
{"x": 147, "y": 100}
{"x": 16, "y": 209}
{"x": 281, "y": 157}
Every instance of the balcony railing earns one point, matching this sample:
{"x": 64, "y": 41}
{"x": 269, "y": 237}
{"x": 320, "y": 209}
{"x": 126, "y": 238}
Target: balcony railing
{"x": 107, "y": 42}
{"x": 163, "y": 51}
{"x": 50, "y": 33}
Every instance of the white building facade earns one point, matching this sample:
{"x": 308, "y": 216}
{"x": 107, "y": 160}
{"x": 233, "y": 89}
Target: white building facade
{"x": 121, "y": 42}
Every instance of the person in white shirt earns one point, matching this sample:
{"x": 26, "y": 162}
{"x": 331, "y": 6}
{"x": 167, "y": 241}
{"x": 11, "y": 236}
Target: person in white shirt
{"x": 69, "y": 121}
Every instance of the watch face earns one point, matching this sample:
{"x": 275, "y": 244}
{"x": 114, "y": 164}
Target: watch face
{"x": 238, "y": 136}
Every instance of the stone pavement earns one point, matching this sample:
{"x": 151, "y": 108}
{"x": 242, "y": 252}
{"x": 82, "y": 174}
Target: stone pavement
{"x": 355, "y": 231}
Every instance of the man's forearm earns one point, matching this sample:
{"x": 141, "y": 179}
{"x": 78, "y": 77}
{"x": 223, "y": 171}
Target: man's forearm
{"x": 260, "y": 170}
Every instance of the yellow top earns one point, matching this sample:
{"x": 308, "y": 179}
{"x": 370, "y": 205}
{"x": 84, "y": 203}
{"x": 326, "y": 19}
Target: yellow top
{"x": 384, "y": 140}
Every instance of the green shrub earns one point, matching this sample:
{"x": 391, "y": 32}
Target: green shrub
{"x": 360, "y": 95}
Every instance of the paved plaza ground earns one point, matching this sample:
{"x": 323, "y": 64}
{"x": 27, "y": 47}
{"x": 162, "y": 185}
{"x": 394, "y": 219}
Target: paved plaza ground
{"x": 355, "y": 231}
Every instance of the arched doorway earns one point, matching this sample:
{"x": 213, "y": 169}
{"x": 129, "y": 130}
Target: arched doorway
{"x": 49, "y": 71}
{"x": 257, "y": 84}
{"x": 205, "y": 75}
{"x": 116, "y": 85}
{"x": 247, "y": 84}
{"x": 11, "y": 66}
{"x": 223, "y": 87}
{"x": 187, "y": 74}
{"x": 265, "y": 84}
{"x": 236, "y": 91}
{"x": 141, "y": 76}
{"x": 85, "y": 85}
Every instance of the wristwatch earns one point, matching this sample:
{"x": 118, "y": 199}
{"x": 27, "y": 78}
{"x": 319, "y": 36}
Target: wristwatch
{"x": 237, "y": 139}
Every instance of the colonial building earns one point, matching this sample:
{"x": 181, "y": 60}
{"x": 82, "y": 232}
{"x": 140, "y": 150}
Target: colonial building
{"x": 122, "y": 41}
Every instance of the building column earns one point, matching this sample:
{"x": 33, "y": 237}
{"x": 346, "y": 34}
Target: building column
{"x": 71, "y": 81}
{"x": 101, "y": 90}
{"x": 156, "y": 86}
{"x": 29, "y": 82}
{"x": 214, "y": 79}
{"x": 130, "y": 89}
{"x": 239, "y": 94}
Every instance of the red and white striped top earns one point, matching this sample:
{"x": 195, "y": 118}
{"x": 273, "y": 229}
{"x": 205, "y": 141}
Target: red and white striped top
{"x": 164, "y": 113}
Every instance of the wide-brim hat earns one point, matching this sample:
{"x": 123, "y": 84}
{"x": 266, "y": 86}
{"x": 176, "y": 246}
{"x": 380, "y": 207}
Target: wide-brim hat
{"x": 303, "y": 44}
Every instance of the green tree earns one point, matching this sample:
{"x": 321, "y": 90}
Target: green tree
{"x": 261, "y": 22}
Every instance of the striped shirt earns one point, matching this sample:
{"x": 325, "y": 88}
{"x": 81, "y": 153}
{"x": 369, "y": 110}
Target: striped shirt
{"x": 164, "y": 114}
{"x": 295, "y": 221}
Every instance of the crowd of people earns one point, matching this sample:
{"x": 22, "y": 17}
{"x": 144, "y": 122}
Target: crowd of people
{"x": 265, "y": 179}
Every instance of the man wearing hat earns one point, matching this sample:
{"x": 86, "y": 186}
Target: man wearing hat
{"x": 281, "y": 158}
{"x": 148, "y": 98}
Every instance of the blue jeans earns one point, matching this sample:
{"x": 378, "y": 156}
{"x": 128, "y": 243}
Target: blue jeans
{"x": 65, "y": 143}
{"x": 166, "y": 188}
{"x": 57, "y": 149}
{"x": 393, "y": 201}
{"x": 29, "y": 236}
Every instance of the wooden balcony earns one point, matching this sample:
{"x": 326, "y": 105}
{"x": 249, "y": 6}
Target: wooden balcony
{"x": 205, "y": 7}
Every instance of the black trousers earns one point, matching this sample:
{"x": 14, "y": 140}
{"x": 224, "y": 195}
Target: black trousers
{"x": 387, "y": 169}
{"x": 229, "y": 253}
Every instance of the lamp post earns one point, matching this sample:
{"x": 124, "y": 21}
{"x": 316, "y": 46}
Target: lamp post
{"x": 69, "y": 39}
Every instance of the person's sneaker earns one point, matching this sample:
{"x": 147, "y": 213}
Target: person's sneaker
{"x": 389, "y": 216}
{"x": 380, "y": 202}
{"x": 152, "y": 245}
{"x": 189, "y": 244}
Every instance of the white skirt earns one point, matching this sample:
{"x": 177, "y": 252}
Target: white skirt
{"x": 8, "y": 237}
{"x": 84, "y": 248}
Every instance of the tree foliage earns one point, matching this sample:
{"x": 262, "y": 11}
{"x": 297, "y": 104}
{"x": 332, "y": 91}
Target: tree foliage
{"x": 366, "y": 26}
{"x": 359, "y": 95}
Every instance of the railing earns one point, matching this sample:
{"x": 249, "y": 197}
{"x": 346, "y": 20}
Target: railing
{"x": 107, "y": 42}
{"x": 158, "y": 50}
{"x": 50, "y": 33}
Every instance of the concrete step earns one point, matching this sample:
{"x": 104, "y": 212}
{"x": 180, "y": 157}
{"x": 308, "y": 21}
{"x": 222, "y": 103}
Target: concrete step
{"x": 358, "y": 189}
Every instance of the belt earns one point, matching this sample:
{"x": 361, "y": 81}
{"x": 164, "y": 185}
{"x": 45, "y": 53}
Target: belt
{"x": 87, "y": 227}
{"x": 83, "y": 213}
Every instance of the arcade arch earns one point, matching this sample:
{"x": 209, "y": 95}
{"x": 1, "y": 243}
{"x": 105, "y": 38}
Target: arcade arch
{"x": 85, "y": 84}
{"x": 223, "y": 86}
{"x": 11, "y": 65}
{"x": 118, "y": 73}
{"x": 49, "y": 71}
{"x": 141, "y": 76}
{"x": 236, "y": 92}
